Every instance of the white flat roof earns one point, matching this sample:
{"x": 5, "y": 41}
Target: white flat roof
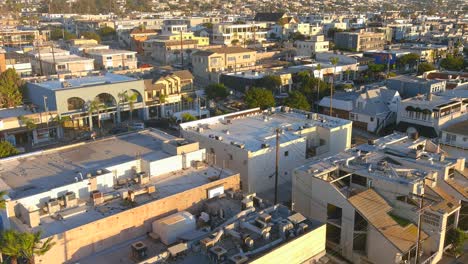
{"x": 257, "y": 127}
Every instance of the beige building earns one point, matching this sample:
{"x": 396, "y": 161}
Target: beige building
{"x": 245, "y": 141}
{"x": 208, "y": 64}
{"x": 360, "y": 41}
{"x": 73, "y": 205}
{"x": 110, "y": 59}
{"x": 310, "y": 47}
{"x": 369, "y": 198}
{"x": 234, "y": 34}
{"x": 50, "y": 61}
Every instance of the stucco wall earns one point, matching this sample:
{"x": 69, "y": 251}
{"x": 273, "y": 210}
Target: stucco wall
{"x": 82, "y": 241}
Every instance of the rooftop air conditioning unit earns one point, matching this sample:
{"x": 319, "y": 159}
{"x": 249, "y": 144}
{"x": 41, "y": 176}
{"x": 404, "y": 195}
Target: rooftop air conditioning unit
{"x": 139, "y": 251}
{"x": 70, "y": 199}
{"x": 239, "y": 259}
{"x": 53, "y": 206}
{"x": 219, "y": 253}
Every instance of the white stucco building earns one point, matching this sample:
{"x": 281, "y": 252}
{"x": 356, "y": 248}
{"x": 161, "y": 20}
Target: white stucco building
{"x": 246, "y": 141}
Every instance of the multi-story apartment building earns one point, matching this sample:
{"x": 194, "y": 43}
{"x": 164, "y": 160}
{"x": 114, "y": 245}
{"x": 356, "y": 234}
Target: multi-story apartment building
{"x": 112, "y": 59}
{"x": 173, "y": 43}
{"x": 165, "y": 93}
{"x": 18, "y": 38}
{"x": 360, "y": 41}
{"x": 209, "y": 64}
{"x": 369, "y": 198}
{"x": 50, "y": 61}
{"x": 454, "y": 138}
{"x": 245, "y": 141}
{"x": 429, "y": 114}
{"x": 234, "y": 34}
{"x": 410, "y": 86}
{"x": 309, "y": 47}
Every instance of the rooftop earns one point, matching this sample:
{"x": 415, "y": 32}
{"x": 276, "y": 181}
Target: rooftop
{"x": 459, "y": 128}
{"x": 64, "y": 59}
{"x": 166, "y": 185}
{"x": 412, "y": 79}
{"x": 44, "y": 170}
{"x": 252, "y": 128}
{"x": 236, "y": 224}
{"x": 432, "y": 102}
{"x": 14, "y": 112}
{"x": 107, "y": 78}
{"x": 109, "y": 52}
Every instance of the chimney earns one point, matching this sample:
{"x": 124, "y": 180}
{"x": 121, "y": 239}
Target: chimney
{"x": 429, "y": 96}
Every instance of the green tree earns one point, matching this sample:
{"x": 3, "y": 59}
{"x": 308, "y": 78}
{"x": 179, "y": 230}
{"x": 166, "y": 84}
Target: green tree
{"x": 91, "y": 35}
{"x": 410, "y": 60}
{"x": 28, "y": 123}
{"x": 259, "y": 97}
{"x": 32, "y": 245}
{"x": 296, "y": 36}
{"x": 10, "y": 89}
{"x": 452, "y": 63}
{"x": 2, "y": 201}
{"x": 374, "y": 69}
{"x": 94, "y": 106}
{"x": 6, "y": 150}
{"x": 208, "y": 25}
{"x": 15, "y": 245}
{"x": 425, "y": 67}
{"x": 216, "y": 91}
{"x": 106, "y": 32}
{"x": 187, "y": 117}
{"x": 270, "y": 82}
{"x": 10, "y": 245}
{"x": 297, "y": 100}
{"x": 457, "y": 238}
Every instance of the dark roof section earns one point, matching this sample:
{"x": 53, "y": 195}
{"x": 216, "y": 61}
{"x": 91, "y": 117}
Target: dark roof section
{"x": 224, "y": 50}
{"x": 424, "y": 131}
{"x": 269, "y": 17}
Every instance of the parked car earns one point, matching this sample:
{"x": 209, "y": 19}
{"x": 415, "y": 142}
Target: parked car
{"x": 137, "y": 126}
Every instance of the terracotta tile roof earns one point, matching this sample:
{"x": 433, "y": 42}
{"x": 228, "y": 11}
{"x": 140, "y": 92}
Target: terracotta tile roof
{"x": 375, "y": 210}
{"x": 142, "y": 31}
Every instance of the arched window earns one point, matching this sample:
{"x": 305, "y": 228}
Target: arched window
{"x": 106, "y": 99}
{"x": 75, "y": 103}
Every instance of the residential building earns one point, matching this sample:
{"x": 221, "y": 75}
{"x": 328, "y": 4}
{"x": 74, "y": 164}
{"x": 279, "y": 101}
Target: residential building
{"x": 72, "y": 97}
{"x": 12, "y": 37}
{"x": 166, "y": 93}
{"x": 241, "y": 81}
{"x": 112, "y": 59}
{"x": 428, "y": 114}
{"x": 310, "y": 47}
{"x": 14, "y": 126}
{"x": 369, "y": 198}
{"x": 410, "y": 86}
{"x": 238, "y": 34}
{"x": 21, "y": 63}
{"x": 138, "y": 37}
{"x": 245, "y": 140}
{"x": 174, "y": 45}
{"x": 371, "y": 109}
{"x": 209, "y": 64}
{"x": 82, "y": 49}
{"x": 50, "y": 61}
{"x": 90, "y": 204}
{"x": 359, "y": 41}
{"x": 454, "y": 139}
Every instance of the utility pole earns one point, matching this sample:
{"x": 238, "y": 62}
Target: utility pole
{"x": 181, "y": 50}
{"x": 277, "y": 164}
{"x": 420, "y": 212}
{"x": 40, "y": 60}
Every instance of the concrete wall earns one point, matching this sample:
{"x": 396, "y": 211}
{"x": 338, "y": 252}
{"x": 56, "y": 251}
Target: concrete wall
{"x": 85, "y": 240}
{"x": 299, "y": 250}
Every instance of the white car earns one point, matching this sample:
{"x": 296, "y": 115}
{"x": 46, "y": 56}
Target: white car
{"x": 137, "y": 126}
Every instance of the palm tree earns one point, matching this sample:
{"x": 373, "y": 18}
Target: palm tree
{"x": 2, "y": 201}
{"x": 32, "y": 245}
{"x": 10, "y": 245}
{"x": 334, "y": 61}
{"x": 61, "y": 120}
{"x": 94, "y": 107}
{"x": 130, "y": 99}
{"x": 28, "y": 123}
{"x": 319, "y": 68}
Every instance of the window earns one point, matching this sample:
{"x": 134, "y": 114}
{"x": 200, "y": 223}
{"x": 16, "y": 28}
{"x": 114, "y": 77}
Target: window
{"x": 286, "y": 153}
{"x": 61, "y": 67}
{"x": 109, "y": 58}
{"x": 359, "y": 180}
{"x": 449, "y": 138}
{"x": 245, "y": 57}
{"x": 372, "y": 119}
{"x": 129, "y": 57}
{"x": 231, "y": 58}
